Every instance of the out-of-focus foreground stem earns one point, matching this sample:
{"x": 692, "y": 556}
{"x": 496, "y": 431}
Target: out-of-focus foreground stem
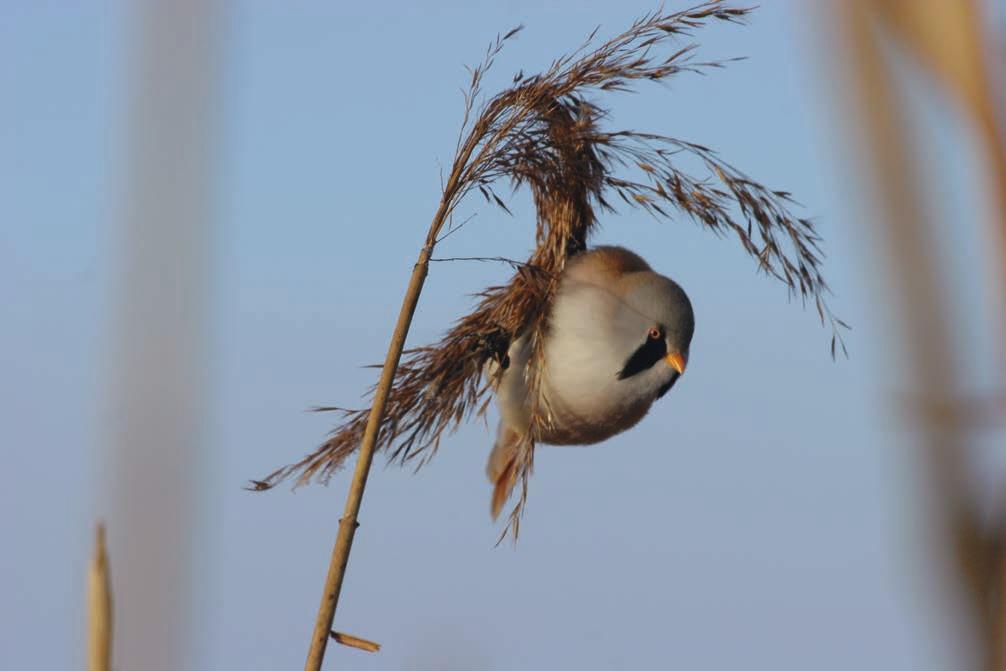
{"x": 948, "y": 48}
{"x": 99, "y": 607}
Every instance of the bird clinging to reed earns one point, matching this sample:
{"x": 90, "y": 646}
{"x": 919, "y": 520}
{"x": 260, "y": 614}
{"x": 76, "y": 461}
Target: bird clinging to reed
{"x": 543, "y": 132}
{"x": 618, "y": 339}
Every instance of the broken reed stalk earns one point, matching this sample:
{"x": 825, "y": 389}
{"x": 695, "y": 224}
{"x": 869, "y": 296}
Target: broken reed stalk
{"x": 355, "y": 642}
{"x": 99, "y": 607}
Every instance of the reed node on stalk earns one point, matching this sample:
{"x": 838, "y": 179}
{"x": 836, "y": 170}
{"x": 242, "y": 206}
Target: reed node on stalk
{"x": 549, "y": 132}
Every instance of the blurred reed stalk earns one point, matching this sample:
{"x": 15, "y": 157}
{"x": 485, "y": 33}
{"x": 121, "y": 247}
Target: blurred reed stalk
{"x": 544, "y": 132}
{"x": 947, "y": 37}
{"x": 99, "y": 607}
{"x": 159, "y": 358}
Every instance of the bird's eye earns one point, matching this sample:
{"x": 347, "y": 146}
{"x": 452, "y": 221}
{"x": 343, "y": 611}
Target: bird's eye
{"x": 653, "y": 333}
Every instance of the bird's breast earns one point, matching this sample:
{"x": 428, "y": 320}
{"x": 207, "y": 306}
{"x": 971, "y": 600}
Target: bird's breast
{"x": 587, "y": 401}
{"x": 584, "y": 351}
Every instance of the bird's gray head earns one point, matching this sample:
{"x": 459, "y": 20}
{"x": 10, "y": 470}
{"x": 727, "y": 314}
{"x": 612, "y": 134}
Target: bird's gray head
{"x": 654, "y": 325}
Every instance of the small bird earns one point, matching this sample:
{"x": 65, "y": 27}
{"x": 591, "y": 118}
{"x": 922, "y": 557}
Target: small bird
{"x": 617, "y": 340}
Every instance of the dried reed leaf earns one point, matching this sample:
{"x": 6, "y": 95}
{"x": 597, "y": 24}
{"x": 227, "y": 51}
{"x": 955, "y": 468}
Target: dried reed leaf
{"x": 354, "y": 641}
{"x": 543, "y": 133}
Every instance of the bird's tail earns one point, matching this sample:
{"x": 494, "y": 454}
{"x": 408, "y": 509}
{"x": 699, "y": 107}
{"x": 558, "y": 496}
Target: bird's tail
{"x": 501, "y": 468}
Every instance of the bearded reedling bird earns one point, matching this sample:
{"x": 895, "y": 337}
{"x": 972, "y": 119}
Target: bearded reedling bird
{"x": 617, "y": 340}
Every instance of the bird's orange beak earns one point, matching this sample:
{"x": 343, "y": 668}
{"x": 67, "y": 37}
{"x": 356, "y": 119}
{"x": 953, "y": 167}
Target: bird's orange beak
{"x": 676, "y": 361}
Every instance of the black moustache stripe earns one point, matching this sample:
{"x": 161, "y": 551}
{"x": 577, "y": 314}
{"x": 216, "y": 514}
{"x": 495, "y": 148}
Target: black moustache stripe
{"x": 667, "y": 387}
{"x": 648, "y": 354}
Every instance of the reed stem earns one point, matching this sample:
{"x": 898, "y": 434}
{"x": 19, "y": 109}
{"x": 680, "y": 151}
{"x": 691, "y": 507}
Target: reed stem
{"x": 99, "y": 607}
{"x": 348, "y": 523}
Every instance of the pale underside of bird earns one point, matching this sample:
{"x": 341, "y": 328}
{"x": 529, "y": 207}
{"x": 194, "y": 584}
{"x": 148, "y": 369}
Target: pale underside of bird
{"x": 617, "y": 340}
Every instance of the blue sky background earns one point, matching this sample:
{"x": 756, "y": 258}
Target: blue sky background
{"x": 767, "y": 514}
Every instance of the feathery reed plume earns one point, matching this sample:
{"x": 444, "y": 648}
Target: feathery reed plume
{"x": 544, "y": 133}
